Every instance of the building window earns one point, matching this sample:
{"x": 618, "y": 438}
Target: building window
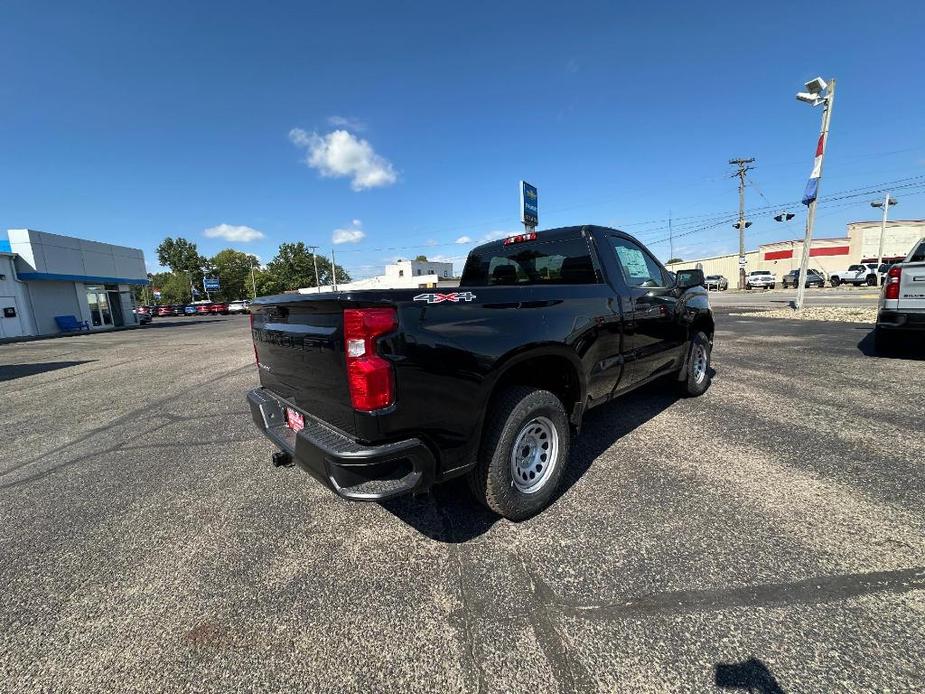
{"x": 445, "y": 274}
{"x": 401, "y": 273}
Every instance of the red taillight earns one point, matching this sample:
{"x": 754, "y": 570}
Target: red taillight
{"x": 254, "y": 340}
{"x": 520, "y": 238}
{"x": 893, "y": 277}
{"x": 369, "y": 376}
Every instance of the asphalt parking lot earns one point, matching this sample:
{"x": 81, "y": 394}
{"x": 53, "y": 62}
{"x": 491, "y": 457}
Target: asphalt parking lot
{"x": 769, "y": 534}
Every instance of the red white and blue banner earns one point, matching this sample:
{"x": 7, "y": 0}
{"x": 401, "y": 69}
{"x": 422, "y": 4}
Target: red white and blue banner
{"x": 812, "y": 185}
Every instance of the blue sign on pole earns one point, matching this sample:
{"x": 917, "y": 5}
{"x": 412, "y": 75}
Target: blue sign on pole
{"x": 529, "y": 205}
{"x": 210, "y": 284}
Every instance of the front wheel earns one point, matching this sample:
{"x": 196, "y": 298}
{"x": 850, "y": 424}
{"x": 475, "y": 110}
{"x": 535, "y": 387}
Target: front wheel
{"x": 835, "y": 281}
{"x": 523, "y": 454}
{"x": 695, "y": 377}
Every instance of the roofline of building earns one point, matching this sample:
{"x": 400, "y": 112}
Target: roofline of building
{"x": 890, "y": 221}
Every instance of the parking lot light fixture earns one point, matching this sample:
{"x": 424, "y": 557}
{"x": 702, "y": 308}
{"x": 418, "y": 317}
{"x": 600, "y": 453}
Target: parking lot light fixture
{"x": 818, "y": 92}
{"x": 885, "y": 204}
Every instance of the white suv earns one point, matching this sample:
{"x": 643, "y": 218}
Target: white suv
{"x": 760, "y": 279}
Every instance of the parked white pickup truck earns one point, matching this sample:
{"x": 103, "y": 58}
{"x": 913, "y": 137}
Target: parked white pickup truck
{"x": 856, "y": 274}
{"x": 901, "y": 309}
{"x": 760, "y": 279}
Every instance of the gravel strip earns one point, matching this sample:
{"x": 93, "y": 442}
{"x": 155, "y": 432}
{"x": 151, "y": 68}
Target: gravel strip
{"x": 842, "y": 314}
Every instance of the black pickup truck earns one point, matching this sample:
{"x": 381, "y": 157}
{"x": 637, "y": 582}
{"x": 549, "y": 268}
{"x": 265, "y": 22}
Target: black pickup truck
{"x": 378, "y": 393}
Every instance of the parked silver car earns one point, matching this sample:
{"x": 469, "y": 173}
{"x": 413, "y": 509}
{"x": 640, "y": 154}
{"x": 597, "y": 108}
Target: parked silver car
{"x": 717, "y": 282}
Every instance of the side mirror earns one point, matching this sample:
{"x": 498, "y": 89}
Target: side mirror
{"x": 689, "y": 278}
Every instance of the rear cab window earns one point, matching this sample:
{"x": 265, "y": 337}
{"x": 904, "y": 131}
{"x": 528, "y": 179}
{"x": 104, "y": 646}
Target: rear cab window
{"x": 918, "y": 255}
{"x": 555, "y": 261}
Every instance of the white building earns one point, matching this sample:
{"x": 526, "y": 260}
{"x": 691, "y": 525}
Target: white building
{"x": 46, "y": 275}
{"x": 403, "y": 274}
{"x": 404, "y": 269}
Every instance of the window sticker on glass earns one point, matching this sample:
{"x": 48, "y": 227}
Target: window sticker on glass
{"x": 633, "y": 261}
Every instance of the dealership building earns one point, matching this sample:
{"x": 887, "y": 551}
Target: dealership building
{"x": 44, "y": 276}
{"x": 828, "y": 255}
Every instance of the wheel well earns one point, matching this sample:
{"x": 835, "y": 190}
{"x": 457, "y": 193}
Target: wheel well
{"x": 553, "y": 373}
{"x": 704, "y": 323}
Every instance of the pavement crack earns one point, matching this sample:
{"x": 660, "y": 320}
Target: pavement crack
{"x": 568, "y": 672}
{"x": 814, "y": 590}
{"x": 474, "y": 671}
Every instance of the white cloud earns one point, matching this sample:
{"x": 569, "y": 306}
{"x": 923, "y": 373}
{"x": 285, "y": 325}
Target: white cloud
{"x": 495, "y": 235}
{"x": 352, "y": 235}
{"x": 348, "y": 122}
{"x": 340, "y": 154}
{"x": 230, "y": 232}
{"x": 464, "y": 239}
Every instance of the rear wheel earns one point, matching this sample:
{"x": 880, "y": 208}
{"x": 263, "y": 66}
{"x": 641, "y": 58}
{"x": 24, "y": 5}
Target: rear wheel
{"x": 871, "y": 280}
{"x": 524, "y": 450}
{"x": 695, "y": 375}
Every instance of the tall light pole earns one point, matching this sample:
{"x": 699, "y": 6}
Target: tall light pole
{"x": 817, "y": 93}
{"x": 885, "y": 204}
{"x": 315, "y": 261}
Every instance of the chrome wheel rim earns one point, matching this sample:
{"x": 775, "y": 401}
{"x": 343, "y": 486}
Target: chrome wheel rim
{"x": 535, "y": 455}
{"x": 699, "y": 363}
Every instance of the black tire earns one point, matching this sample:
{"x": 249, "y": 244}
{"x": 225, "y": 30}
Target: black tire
{"x": 695, "y": 378}
{"x": 748, "y": 286}
{"x": 835, "y": 281}
{"x": 871, "y": 280}
{"x": 773, "y": 286}
{"x": 492, "y": 479}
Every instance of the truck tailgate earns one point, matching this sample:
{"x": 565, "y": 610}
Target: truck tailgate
{"x": 299, "y": 347}
{"x": 912, "y": 287}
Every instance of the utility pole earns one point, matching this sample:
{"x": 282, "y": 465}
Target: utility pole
{"x": 670, "y": 239}
{"x": 741, "y": 225}
{"x": 315, "y": 261}
{"x": 333, "y": 272}
{"x": 811, "y": 196}
{"x": 253, "y": 281}
{"x": 887, "y": 201}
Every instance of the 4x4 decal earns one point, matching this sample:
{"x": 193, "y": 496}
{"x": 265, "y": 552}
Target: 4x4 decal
{"x": 454, "y": 297}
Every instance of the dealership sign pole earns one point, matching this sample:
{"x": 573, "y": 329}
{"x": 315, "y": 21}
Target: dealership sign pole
{"x": 814, "y": 96}
{"x": 529, "y": 207}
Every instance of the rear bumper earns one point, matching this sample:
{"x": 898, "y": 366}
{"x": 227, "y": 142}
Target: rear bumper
{"x": 900, "y": 320}
{"x": 348, "y": 468}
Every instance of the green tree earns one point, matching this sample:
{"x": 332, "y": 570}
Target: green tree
{"x": 233, "y": 269}
{"x": 174, "y": 287}
{"x": 421, "y": 259}
{"x": 674, "y": 260}
{"x": 180, "y": 255}
{"x": 293, "y": 267}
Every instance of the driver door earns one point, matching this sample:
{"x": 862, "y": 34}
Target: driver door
{"x": 653, "y": 334}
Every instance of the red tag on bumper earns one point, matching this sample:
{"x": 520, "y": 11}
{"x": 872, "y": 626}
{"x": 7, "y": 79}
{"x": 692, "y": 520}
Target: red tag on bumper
{"x": 294, "y": 420}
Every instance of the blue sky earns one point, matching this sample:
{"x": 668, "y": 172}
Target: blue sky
{"x": 412, "y": 122}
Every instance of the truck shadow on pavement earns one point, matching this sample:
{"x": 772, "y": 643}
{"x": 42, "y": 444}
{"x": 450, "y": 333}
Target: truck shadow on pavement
{"x": 913, "y": 349}
{"x": 10, "y": 372}
{"x": 751, "y": 675}
{"x": 449, "y": 513}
